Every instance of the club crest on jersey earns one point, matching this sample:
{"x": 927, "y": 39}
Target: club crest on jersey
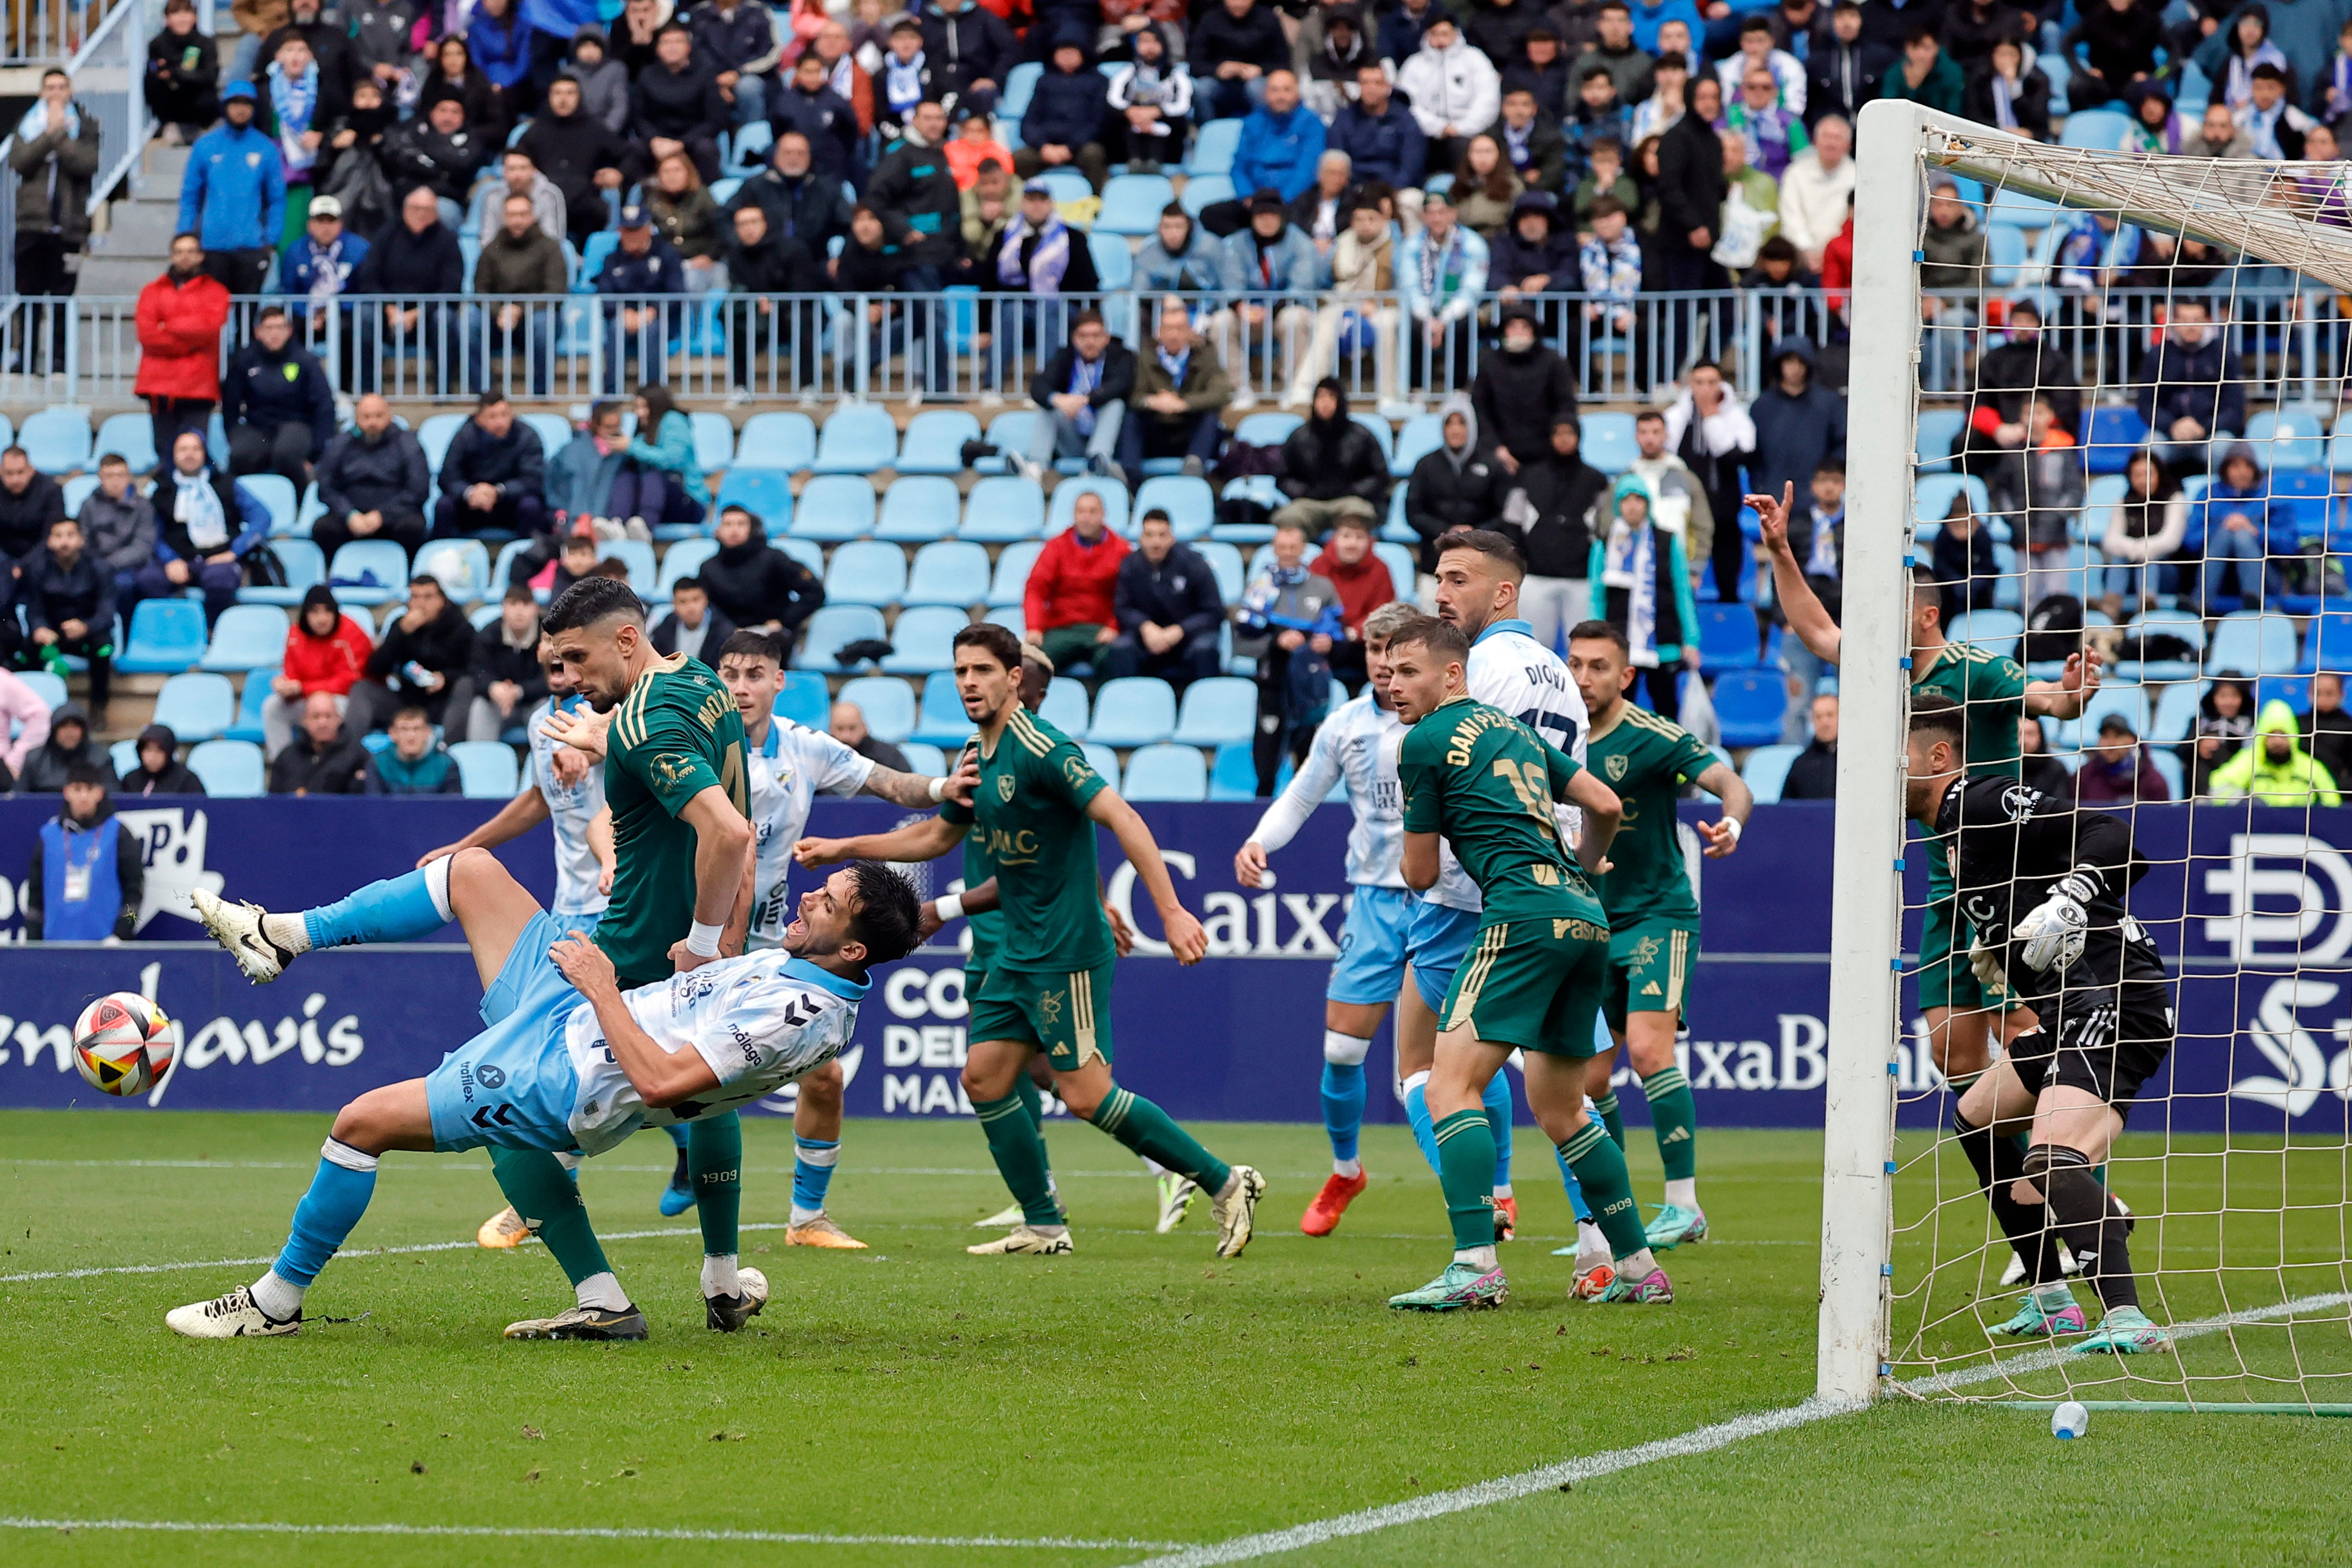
{"x": 1005, "y": 786}
{"x": 1615, "y": 768}
{"x": 670, "y": 772}
{"x": 2018, "y": 801}
{"x": 1073, "y": 771}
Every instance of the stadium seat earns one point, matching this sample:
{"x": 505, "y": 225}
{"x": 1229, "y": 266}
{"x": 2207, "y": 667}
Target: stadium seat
{"x": 1019, "y": 83}
{"x": 1400, "y": 563}
{"x": 276, "y": 491}
{"x": 1065, "y": 500}
{"x": 834, "y": 506}
{"x": 462, "y": 566}
{"x": 935, "y": 440}
{"x": 2168, "y": 768}
{"x": 683, "y": 559}
{"x": 1768, "y": 771}
{"x": 1422, "y": 434}
{"x": 865, "y": 571}
{"x": 230, "y": 770}
{"x": 1265, "y": 429}
{"x": 131, "y": 437}
{"x": 1931, "y": 497}
{"x": 952, "y": 572}
{"x": 1225, "y": 561}
{"x": 46, "y": 686}
{"x": 1938, "y": 429}
{"x": 247, "y": 636}
{"x": 2016, "y": 209}
{"x": 940, "y": 719}
{"x": 1191, "y": 506}
{"x": 1232, "y": 773}
{"x": 1103, "y": 759}
{"x": 1218, "y": 711}
{"x": 306, "y": 568}
{"x": 481, "y": 615}
{"x": 1134, "y": 710}
{"x": 1213, "y": 147}
{"x": 1115, "y": 267}
{"x": 915, "y": 509}
{"x": 922, "y": 641}
{"x": 1003, "y": 509}
{"x": 2175, "y": 713}
{"x": 486, "y": 769}
{"x": 1009, "y": 587}
{"x": 805, "y": 699}
{"x": 1748, "y": 704}
{"x": 1009, "y": 433}
{"x": 834, "y": 626}
{"x": 2110, "y": 436}
{"x": 77, "y": 490}
{"x": 2288, "y": 439}
{"x": 1995, "y": 631}
{"x": 1064, "y": 707}
{"x": 124, "y": 758}
{"x": 807, "y": 551}
{"x": 1166, "y": 773}
{"x": 196, "y": 707}
{"x": 1203, "y": 191}
{"x": 1606, "y": 442}
{"x": 249, "y": 699}
{"x": 924, "y": 758}
{"x": 1012, "y": 619}
{"x": 1727, "y": 637}
{"x": 714, "y": 442}
{"x": 638, "y": 556}
{"x": 2246, "y": 642}
{"x": 858, "y": 438}
{"x": 1066, "y": 184}
{"x": 434, "y": 436}
{"x": 887, "y": 702}
{"x": 166, "y": 635}
{"x": 765, "y": 493}
{"x": 2101, "y": 130}
{"x": 1131, "y": 203}
{"x": 1379, "y": 431}
{"x": 56, "y": 439}
{"x": 367, "y": 571}
{"x": 2131, "y": 702}
{"x": 786, "y": 441}
{"x": 554, "y": 431}
{"x": 2294, "y": 690}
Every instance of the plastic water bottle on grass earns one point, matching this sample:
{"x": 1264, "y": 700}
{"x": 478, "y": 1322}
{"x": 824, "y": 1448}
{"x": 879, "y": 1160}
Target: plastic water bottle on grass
{"x": 2069, "y": 1420}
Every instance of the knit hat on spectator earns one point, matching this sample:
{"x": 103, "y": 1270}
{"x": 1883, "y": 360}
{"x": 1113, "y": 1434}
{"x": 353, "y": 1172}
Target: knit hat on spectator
{"x": 1266, "y": 201}
{"x": 237, "y": 89}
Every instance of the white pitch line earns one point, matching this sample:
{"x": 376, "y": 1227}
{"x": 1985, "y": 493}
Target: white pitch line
{"x": 1705, "y": 1439}
{"x": 347, "y": 1252}
{"x": 758, "y": 1537}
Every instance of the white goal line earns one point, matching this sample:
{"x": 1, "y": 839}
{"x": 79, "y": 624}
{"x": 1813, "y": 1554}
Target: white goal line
{"x": 528, "y": 1532}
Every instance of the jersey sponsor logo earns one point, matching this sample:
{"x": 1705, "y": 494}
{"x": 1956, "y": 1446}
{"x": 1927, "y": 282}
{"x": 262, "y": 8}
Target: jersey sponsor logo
{"x": 490, "y": 1075}
{"x": 2019, "y": 801}
{"x": 1616, "y": 767}
{"x": 1074, "y": 770}
{"x": 1579, "y": 931}
{"x": 1645, "y": 951}
{"x": 671, "y": 771}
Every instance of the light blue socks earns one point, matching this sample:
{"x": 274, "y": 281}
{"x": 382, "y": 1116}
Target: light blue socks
{"x": 407, "y": 908}
{"x": 813, "y": 1159}
{"x": 338, "y": 1194}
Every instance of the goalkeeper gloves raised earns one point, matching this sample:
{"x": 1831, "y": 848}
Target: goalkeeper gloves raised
{"x": 2053, "y": 931}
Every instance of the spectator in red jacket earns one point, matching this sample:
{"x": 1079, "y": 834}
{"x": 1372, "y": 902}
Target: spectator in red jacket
{"x": 326, "y": 650}
{"x": 1068, "y": 604}
{"x": 1364, "y": 584}
{"x": 180, "y": 318}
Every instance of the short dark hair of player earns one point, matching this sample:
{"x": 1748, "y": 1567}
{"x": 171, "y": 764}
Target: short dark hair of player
{"x": 89, "y": 773}
{"x": 1936, "y": 715}
{"x": 751, "y": 643}
{"x": 889, "y": 919}
{"x": 590, "y": 602}
{"x": 691, "y": 583}
{"x": 267, "y": 313}
{"x": 1444, "y": 639}
{"x": 1925, "y": 589}
{"x": 1650, "y": 417}
{"x": 997, "y": 642}
{"x": 1156, "y": 514}
{"x": 1836, "y": 466}
{"x": 1495, "y": 546}
{"x": 1602, "y": 631}
{"x": 1754, "y": 25}
{"x": 1355, "y": 520}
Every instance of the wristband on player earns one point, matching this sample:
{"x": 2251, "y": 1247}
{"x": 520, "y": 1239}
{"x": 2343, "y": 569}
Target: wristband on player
{"x": 1732, "y": 825}
{"x": 703, "y": 939}
{"x": 939, "y": 791}
{"x": 2082, "y": 884}
{"x": 949, "y": 908}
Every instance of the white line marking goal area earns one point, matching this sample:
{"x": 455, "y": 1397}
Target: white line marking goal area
{"x": 528, "y": 1532}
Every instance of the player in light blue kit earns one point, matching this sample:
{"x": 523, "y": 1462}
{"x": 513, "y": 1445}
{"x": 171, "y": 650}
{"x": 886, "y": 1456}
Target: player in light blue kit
{"x": 1357, "y": 742}
{"x": 789, "y": 764}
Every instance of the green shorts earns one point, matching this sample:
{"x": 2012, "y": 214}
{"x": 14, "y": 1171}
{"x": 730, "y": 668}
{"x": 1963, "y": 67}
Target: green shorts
{"x": 1944, "y": 978}
{"x": 1531, "y": 983}
{"x": 1649, "y": 969}
{"x": 1063, "y": 1013}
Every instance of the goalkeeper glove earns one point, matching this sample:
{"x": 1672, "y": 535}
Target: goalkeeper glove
{"x": 1985, "y": 963}
{"x": 2053, "y": 931}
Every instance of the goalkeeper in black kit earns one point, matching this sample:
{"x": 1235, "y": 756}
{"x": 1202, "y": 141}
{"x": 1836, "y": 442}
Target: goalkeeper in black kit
{"x": 2042, "y": 886}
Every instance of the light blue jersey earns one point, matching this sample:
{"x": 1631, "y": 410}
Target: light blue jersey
{"x": 570, "y": 807}
{"x": 788, "y": 769}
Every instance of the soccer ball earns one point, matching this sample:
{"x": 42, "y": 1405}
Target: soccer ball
{"x": 122, "y": 1044}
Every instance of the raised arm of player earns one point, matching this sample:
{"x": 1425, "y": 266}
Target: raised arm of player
{"x": 518, "y": 816}
{"x": 582, "y": 728}
{"x": 723, "y": 846}
{"x": 926, "y": 840}
{"x": 2066, "y": 697}
{"x": 1185, "y": 937}
{"x": 1798, "y": 604}
{"x": 661, "y": 1077}
{"x": 915, "y": 789}
{"x": 1290, "y": 809}
{"x": 1723, "y": 837}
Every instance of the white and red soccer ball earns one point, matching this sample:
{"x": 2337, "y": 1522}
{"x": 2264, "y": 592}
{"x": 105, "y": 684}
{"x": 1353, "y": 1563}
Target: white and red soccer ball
{"x": 122, "y": 1043}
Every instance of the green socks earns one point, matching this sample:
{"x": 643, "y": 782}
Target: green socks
{"x": 1465, "y": 1169}
{"x": 543, "y": 1191}
{"x": 1019, "y": 1151}
{"x": 1612, "y": 1117}
{"x": 1153, "y": 1133}
{"x": 1673, "y": 1116}
{"x": 714, "y": 1159}
{"x": 1600, "y": 1168}
{"x": 1033, "y": 1100}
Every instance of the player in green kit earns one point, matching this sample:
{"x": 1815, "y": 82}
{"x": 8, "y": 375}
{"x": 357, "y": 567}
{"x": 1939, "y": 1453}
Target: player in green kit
{"x": 1532, "y": 979}
{"x": 1048, "y": 987}
{"x": 1653, "y": 907}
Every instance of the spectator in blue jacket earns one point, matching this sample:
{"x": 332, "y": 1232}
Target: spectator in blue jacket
{"x": 318, "y": 266}
{"x": 232, "y": 197}
{"x": 1648, "y": 18}
{"x": 2237, "y": 530}
{"x": 276, "y": 403}
{"x": 1380, "y": 135}
{"x": 740, "y": 38}
{"x": 1281, "y": 141}
{"x": 1182, "y": 257}
{"x": 1272, "y": 273}
{"x": 501, "y": 40}
{"x": 1063, "y": 127}
{"x": 642, "y": 263}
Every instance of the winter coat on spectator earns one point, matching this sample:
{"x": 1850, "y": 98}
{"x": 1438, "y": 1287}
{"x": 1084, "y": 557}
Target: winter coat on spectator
{"x": 417, "y": 154}
{"x": 2200, "y": 383}
{"x": 2129, "y": 782}
{"x": 46, "y": 765}
{"x": 1332, "y": 459}
{"x": 2299, "y": 780}
{"x": 52, "y": 592}
{"x": 1842, "y": 77}
{"x": 1969, "y": 30}
{"x": 745, "y": 42}
{"x": 1254, "y": 39}
{"x": 1198, "y": 268}
{"x": 21, "y": 708}
{"x": 1690, "y": 189}
{"x": 1713, "y": 450}
{"x": 570, "y": 149}
{"x": 1511, "y": 260}
{"x": 1073, "y": 583}
{"x": 1546, "y": 153}
{"x": 2277, "y": 525}
{"x": 2140, "y": 530}
{"x": 658, "y": 270}
{"x": 1182, "y": 591}
{"x": 1648, "y": 18}
{"x": 1390, "y": 147}
{"x": 1629, "y": 68}
{"x": 1561, "y": 491}
{"x": 1461, "y": 276}
{"x": 716, "y": 629}
{"x": 1288, "y": 269}
{"x": 1068, "y": 111}
{"x": 1813, "y": 775}
{"x": 751, "y": 583}
{"x": 289, "y": 387}
{"x": 120, "y": 533}
{"x": 401, "y": 261}
{"x": 1458, "y": 87}
{"x": 973, "y": 45}
{"x": 1277, "y": 151}
{"x": 174, "y": 777}
{"x": 1813, "y": 201}
{"x": 914, "y": 191}
{"x": 1793, "y": 435}
{"x": 305, "y": 767}
{"x": 1362, "y": 588}
{"x": 515, "y": 461}
{"x": 1517, "y": 395}
{"x": 25, "y": 522}
{"x": 388, "y": 474}
{"x": 233, "y": 197}
{"x": 810, "y": 208}
{"x": 1116, "y": 384}
{"x": 580, "y": 479}
{"x": 1966, "y": 570}
{"x": 245, "y": 513}
{"x": 2009, "y": 374}
{"x": 179, "y": 322}
{"x": 1500, "y": 32}
{"x": 495, "y": 659}
{"x": 1454, "y": 487}
{"x": 685, "y": 104}
{"x": 2330, "y": 740}
{"x": 2121, "y": 44}
{"x": 332, "y": 663}
{"x": 1953, "y": 259}
{"x": 54, "y": 169}
{"x": 774, "y": 266}
{"x": 604, "y": 88}
{"x": 532, "y": 265}
{"x": 2029, "y": 100}
{"x": 827, "y": 120}
{"x": 1942, "y": 87}
{"x": 444, "y": 645}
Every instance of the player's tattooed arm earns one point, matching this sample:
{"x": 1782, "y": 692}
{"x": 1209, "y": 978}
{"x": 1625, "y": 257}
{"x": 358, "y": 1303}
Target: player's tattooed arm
{"x": 926, "y": 840}
{"x": 518, "y": 816}
{"x": 1723, "y": 837}
{"x": 915, "y": 789}
{"x": 1798, "y": 602}
{"x": 1185, "y": 937}
{"x": 660, "y": 1078}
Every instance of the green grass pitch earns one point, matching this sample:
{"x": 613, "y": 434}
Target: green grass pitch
{"x": 1141, "y": 1390}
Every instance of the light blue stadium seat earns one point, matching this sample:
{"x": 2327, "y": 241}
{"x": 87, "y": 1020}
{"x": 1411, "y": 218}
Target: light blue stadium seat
{"x": 1064, "y": 707}
{"x": 487, "y": 770}
{"x": 2168, "y": 768}
{"x": 714, "y": 442}
{"x": 247, "y": 636}
{"x": 832, "y": 627}
{"x": 1400, "y": 563}
{"x": 858, "y": 439}
{"x": 1225, "y": 561}
{"x": 381, "y": 559}
{"x": 2246, "y": 642}
{"x": 76, "y": 491}
{"x": 2288, "y": 439}
{"x": 925, "y": 759}
{"x": 2101, "y": 130}
{"x": 1931, "y": 496}
{"x": 276, "y": 491}
{"x": 1134, "y": 710}
{"x": 46, "y": 686}
{"x": 230, "y": 770}
{"x": 434, "y": 436}
{"x": 1232, "y": 775}
{"x": 2131, "y": 702}
{"x": 1727, "y": 637}
{"x": 56, "y": 439}
{"x": 2176, "y": 713}
{"x": 1131, "y": 203}
{"x": 865, "y": 571}
{"x": 1995, "y": 631}
{"x": 922, "y": 643}
{"x": 554, "y": 432}
{"x": 1749, "y": 703}
{"x": 1166, "y": 773}
{"x": 834, "y": 506}
{"x": 1115, "y": 268}
{"x": 1938, "y": 429}
{"x": 754, "y": 144}
{"x": 1213, "y": 147}
{"x": 1003, "y": 509}
{"x": 1009, "y": 433}
{"x": 1066, "y": 184}
{"x": 808, "y": 552}
{"x": 638, "y": 556}
{"x": 1767, "y": 769}
{"x": 917, "y": 508}
{"x": 2110, "y": 436}
{"x": 940, "y": 719}
{"x": 481, "y": 615}
{"x": 1007, "y": 589}
{"x": 166, "y": 635}
{"x": 1204, "y": 190}
{"x": 934, "y": 443}
{"x": 1265, "y": 429}
{"x": 1191, "y": 505}
{"x": 683, "y": 559}
{"x": 2017, "y": 210}
{"x": 131, "y": 437}
{"x": 1606, "y": 442}
{"x": 124, "y": 758}
{"x": 765, "y": 493}
{"x": 249, "y": 699}
{"x": 1103, "y": 759}
{"x": 805, "y": 699}
{"x": 216, "y": 439}
{"x": 196, "y": 707}
{"x": 462, "y": 566}
{"x": 887, "y": 702}
{"x": 1010, "y": 618}
{"x": 2005, "y": 253}
{"x": 1218, "y": 711}
{"x": 786, "y": 441}
{"x": 1063, "y": 506}
{"x": 1422, "y": 434}
{"x": 951, "y": 572}
{"x": 1021, "y": 81}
